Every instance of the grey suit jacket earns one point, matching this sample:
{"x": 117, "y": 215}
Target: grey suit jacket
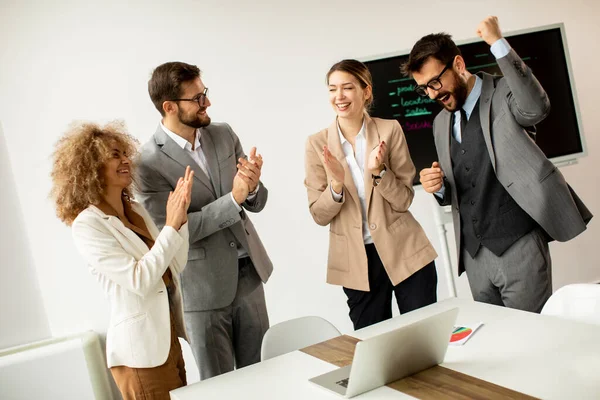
{"x": 509, "y": 107}
{"x": 210, "y": 278}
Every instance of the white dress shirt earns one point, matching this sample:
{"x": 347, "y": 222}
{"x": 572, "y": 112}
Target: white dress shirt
{"x": 356, "y": 159}
{"x": 195, "y": 152}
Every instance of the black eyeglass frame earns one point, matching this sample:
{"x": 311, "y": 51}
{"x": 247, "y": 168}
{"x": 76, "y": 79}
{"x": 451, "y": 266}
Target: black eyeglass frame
{"x": 433, "y": 83}
{"x": 200, "y": 99}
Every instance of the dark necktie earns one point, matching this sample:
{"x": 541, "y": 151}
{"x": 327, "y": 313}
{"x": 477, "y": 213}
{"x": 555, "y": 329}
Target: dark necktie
{"x": 463, "y": 122}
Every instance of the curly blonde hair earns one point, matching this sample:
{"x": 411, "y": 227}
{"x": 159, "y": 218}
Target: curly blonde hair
{"x": 77, "y": 170}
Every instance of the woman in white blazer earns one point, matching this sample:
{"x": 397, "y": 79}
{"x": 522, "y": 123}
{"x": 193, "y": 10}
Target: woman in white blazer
{"x": 137, "y": 265}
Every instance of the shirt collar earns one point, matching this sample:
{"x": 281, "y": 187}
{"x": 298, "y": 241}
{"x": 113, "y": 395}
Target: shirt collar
{"x": 181, "y": 142}
{"x": 343, "y": 139}
{"x": 472, "y": 97}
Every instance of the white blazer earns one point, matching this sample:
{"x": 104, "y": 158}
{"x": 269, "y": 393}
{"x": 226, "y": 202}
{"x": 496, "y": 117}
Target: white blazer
{"x": 139, "y": 334}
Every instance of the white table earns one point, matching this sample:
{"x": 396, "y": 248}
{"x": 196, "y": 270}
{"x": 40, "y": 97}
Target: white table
{"x": 541, "y": 356}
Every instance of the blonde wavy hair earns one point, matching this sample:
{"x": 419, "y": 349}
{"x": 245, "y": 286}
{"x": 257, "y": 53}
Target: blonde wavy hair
{"x": 78, "y": 162}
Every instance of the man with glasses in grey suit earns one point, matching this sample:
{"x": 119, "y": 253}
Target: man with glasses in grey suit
{"x": 508, "y": 200}
{"x": 224, "y": 303}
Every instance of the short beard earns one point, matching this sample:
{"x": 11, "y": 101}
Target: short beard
{"x": 459, "y": 92}
{"x": 195, "y": 122}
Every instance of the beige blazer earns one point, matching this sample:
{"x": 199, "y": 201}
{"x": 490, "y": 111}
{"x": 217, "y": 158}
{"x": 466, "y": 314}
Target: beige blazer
{"x": 130, "y": 273}
{"x": 400, "y": 241}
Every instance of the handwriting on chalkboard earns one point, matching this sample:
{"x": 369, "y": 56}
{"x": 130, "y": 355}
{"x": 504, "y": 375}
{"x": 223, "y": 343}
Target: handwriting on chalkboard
{"x": 416, "y": 102}
{"x": 417, "y": 111}
{"x": 404, "y": 89}
{"x": 417, "y": 125}
{"x": 409, "y": 104}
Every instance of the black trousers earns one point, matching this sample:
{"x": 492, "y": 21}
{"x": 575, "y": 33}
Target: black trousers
{"x": 368, "y": 308}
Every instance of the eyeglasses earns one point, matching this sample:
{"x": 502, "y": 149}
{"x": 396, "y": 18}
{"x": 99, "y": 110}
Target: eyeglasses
{"x": 434, "y": 83}
{"x": 200, "y": 99}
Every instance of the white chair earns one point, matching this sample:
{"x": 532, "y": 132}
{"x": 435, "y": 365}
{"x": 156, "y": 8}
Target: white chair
{"x": 296, "y": 334}
{"x": 70, "y": 367}
{"x": 580, "y": 302}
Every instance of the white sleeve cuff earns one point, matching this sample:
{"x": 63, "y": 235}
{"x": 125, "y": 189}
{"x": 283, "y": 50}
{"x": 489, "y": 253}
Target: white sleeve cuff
{"x": 337, "y": 196}
{"x": 440, "y": 193}
{"x": 500, "y": 48}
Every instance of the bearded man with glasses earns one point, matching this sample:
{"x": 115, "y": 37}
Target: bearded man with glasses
{"x": 508, "y": 200}
{"x": 224, "y": 303}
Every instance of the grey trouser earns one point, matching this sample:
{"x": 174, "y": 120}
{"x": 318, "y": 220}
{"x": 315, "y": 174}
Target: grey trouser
{"x": 231, "y": 336}
{"x": 521, "y": 278}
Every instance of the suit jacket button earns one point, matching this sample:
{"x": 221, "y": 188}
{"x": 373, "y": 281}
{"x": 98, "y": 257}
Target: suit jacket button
{"x": 373, "y": 226}
{"x": 231, "y": 244}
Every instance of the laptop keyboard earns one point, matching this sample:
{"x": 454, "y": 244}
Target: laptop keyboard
{"x": 343, "y": 382}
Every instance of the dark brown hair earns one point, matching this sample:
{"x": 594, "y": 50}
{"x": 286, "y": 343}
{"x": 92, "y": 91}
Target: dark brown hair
{"x": 166, "y": 80}
{"x": 437, "y": 45}
{"x": 357, "y": 70}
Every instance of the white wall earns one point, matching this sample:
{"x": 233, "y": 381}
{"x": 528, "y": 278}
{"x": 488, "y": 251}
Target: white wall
{"x": 265, "y": 64}
{"x": 22, "y": 315}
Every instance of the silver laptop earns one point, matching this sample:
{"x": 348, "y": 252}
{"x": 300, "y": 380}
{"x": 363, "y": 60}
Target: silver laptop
{"x": 393, "y": 355}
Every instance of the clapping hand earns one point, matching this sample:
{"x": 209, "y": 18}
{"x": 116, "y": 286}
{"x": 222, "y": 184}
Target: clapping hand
{"x": 179, "y": 200}
{"x": 335, "y": 168}
{"x": 250, "y": 169}
{"x": 375, "y": 163}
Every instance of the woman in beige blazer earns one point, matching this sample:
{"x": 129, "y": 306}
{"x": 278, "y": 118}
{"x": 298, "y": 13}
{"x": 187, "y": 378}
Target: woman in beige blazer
{"x": 359, "y": 178}
{"x": 137, "y": 266}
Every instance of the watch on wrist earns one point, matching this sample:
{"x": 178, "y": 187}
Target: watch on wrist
{"x": 377, "y": 178}
{"x": 381, "y": 173}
